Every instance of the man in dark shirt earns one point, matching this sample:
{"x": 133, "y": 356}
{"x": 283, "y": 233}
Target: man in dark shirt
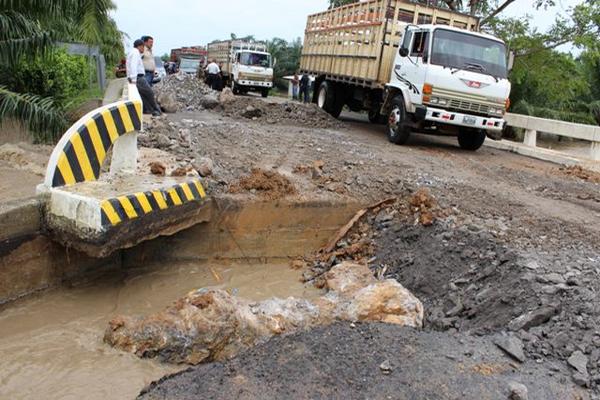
{"x": 304, "y": 87}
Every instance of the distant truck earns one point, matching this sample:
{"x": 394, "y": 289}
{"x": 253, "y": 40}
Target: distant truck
{"x": 416, "y": 67}
{"x": 189, "y": 59}
{"x": 246, "y": 66}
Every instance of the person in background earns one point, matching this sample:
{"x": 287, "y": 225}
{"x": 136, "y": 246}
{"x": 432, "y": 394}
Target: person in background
{"x": 295, "y": 86}
{"x": 304, "y": 87}
{"x": 213, "y": 72}
{"x": 136, "y": 74}
{"x": 148, "y": 59}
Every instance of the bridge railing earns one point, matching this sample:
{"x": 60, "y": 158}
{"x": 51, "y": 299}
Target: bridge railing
{"x": 535, "y": 125}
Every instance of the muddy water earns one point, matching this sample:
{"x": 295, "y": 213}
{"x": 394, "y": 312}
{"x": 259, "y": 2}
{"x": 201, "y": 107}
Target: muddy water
{"x": 51, "y": 346}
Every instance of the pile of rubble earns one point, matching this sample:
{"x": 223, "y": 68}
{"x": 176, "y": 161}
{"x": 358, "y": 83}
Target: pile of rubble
{"x": 184, "y": 92}
{"x": 210, "y": 324}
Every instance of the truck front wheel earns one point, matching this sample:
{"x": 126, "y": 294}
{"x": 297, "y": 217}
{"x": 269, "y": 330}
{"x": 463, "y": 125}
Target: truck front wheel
{"x": 398, "y": 132}
{"x": 264, "y": 92}
{"x": 471, "y": 139}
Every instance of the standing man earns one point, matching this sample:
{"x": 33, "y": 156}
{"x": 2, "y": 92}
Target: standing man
{"x": 136, "y": 74}
{"x": 304, "y": 87}
{"x": 148, "y": 59}
{"x": 295, "y": 84}
{"x": 213, "y": 71}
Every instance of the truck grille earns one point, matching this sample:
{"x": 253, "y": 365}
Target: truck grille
{"x": 469, "y": 106}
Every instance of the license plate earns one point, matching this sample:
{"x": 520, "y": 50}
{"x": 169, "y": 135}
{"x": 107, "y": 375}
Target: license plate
{"x": 469, "y": 120}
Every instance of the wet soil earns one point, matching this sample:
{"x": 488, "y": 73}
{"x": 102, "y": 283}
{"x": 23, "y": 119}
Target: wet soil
{"x": 365, "y": 361}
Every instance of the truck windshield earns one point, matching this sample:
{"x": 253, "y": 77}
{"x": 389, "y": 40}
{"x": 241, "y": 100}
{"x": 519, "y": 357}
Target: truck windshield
{"x": 189, "y": 64}
{"x": 255, "y": 59}
{"x": 474, "y": 53}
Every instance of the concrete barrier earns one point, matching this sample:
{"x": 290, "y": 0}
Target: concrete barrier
{"x": 535, "y": 125}
{"x": 84, "y": 212}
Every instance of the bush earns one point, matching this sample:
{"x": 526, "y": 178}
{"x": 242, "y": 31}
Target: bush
{"x": 59, "y": 75}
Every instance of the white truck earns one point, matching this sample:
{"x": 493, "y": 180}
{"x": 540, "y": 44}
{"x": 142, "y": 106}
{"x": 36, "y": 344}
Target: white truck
{"x": 246, "y": 66}
{"x": 417, "y": 68}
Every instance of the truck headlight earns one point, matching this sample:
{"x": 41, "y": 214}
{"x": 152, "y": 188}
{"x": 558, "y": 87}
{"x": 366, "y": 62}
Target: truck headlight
{"x": 443, "y": 102}
{"x": 433, "y": 100}
{"x": 496, "y": 111}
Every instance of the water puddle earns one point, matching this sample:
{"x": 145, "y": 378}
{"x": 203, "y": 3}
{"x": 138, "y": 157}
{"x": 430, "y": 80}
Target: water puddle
{"x": 52, "y": 347}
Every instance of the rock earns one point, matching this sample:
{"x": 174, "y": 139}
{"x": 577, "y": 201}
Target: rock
{"x": 167, "y": 102}
{"x": 518, "y": 391}
{"x": 204, "y": 166}
{"x": 209, "y": 101}
{"x": 226, "y": 96}
{"x": 386, "y": 367}
{"x": 163, "y": 141}
{"x": 580, "y": 379}
{"x": 181, "y": 171}
{"x": 533, "y": 318}
{"x": 157, "y": 168}
{"x": 579, "y": 361}
{"x": 251, "y": 112}
{"x": 511, "y": 346}
{"x": 211, "y": 324}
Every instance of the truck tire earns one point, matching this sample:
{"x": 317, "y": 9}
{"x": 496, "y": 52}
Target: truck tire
{"x": 326, "y": 99}
{"x": 398, "y": 132}
{"x": 375, "y": 117}
{"x": 234, "y": 88}
{"x": 264, "y": 92}
{"x": 471, "y": 139}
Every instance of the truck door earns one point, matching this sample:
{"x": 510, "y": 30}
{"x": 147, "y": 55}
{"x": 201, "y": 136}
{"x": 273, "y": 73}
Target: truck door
{"x": 411, "y": 70}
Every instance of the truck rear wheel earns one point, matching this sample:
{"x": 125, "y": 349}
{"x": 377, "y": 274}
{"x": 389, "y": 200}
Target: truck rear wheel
{"x": 471, "y": 139}
{"x": 329, "y": 100}
{"x": 398, "y": 132}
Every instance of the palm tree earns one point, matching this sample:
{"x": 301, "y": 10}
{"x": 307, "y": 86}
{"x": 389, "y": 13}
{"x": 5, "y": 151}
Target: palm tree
{"x": 28, "y": 29}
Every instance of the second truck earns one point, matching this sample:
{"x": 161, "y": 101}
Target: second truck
{"x": 245, "y": 66}
{"x": 415, "y": 67}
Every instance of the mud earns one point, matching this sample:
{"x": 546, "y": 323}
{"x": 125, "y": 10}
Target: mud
{"x": 269, "y": 185}
{"x": 365, "y": 361}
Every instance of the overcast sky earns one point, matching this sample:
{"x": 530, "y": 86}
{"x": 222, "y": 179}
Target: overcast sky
{"x": 176, "y": 23}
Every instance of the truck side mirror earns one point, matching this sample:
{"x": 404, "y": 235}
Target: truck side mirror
{"x": 511, "y": 60}
{"x": 403, "y": 52}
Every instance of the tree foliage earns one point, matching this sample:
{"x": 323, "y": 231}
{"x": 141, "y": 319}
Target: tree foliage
{"x": 287, "y": 54}
{"x": 28, "y": 31}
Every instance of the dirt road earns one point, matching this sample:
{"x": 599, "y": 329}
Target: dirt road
{"x": 515, "y": 254}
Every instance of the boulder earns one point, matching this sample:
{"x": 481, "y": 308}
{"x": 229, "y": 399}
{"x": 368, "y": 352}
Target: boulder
{"x": 226, "y": 96}
{"x": 167, "y": 102}
{"x": 210, "y": 324}
{"x": 209, "y": 101}
{"x": 204, "y": 166}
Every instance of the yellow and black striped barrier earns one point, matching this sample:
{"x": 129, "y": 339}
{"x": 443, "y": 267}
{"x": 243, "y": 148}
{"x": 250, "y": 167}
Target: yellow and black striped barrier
{"x": 123, "y": 208}
{"x": 81, "y": 151}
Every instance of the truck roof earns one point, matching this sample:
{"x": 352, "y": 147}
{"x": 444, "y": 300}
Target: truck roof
{"x": 452, "y": 28}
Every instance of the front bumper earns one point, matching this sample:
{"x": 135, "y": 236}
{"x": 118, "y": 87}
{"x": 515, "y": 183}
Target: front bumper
{"x": 455, "y": 118}
{"x": 262, "y": 84}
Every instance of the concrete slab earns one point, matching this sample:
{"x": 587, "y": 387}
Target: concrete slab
{"x": 543, "y": 154}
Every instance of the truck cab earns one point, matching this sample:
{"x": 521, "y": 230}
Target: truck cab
{"x": 447, "y": 80}
{"x": 252, "y": 71}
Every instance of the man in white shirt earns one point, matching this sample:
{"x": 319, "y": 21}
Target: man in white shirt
{"x": 135, "y": 74}
{"x": 148, "y": 59}
{"x": 213, "y": 71}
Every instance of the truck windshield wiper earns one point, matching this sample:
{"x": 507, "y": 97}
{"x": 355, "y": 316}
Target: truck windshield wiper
{"x": 474, "y": 66}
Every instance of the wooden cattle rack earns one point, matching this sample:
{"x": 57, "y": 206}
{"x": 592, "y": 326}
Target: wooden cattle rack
{"x": 357, "y": 43}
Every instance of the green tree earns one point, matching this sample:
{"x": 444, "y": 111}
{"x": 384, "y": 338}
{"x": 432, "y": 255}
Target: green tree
{"x": 28, "y": 31}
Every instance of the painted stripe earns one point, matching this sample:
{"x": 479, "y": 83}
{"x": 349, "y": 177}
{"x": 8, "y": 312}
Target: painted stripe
{"x": 65, "y": 169}
{"x": 174, "y": 196}
{"x": 135, "y": 112}
{"x": 110, "y": 212}
{"x": 200, "y": 189}
{"x": 104, "y": 218}
{"x": 143, "y": 201}
{"x": 194, "y": 190}
{"x": 180, "y": 193}
{"x": 168, "y": 198}
{"x": 160, "y": 199}
{"x": 103, "y": 131}
{"x": 127, "y": 123}
{"x": 96, "y": 140}
{"x": 57, "y": 179}
{"x": 110, "y": 126}
{"x": 151, "y": 200}
{"x": 188, "y": 193}
{"x": 73, "y": 162}
{"x": 116, "y": 115}
{"x": 128, "y": 207}
{"x": 82, "y": 157}
{"x": 136, "y": 204}
{"x": 116, "y": 204}
{"x": 88, "y": 145}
